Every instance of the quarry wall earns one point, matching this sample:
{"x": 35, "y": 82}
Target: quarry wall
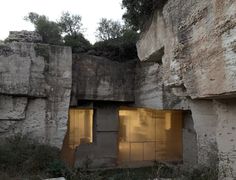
{"x": 97, "y": 78}
{"x": 188, "y": 62}
{"x": 199, "y": 63}
{"x": 35, "y": 88}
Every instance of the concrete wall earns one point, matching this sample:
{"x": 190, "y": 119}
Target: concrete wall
{"x": 103, "y": 152}
{"x": 190, "y": 148}
{"x": 35, "y": 86}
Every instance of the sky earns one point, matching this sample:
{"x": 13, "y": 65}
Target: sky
{"x": 12, "y": 13}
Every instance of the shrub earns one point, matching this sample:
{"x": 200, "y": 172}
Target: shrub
{"x": 78, "y": 43}
{"x": 20, "y": 156}
{"x": 57, "y": 168}
{"x": 120, "y": 49}
{"x": 137, "y": 12}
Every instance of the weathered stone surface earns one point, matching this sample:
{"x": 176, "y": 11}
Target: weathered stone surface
{"x": 33, "y": 124}
{"x": 35, "y": 87}
{"x": 15, "y": 70}
{"x": 199, "y": 61}
{"x": 226, "y": 136}
{"x": 97, "y": 78}
{"x": 150, "y": 91}
{"x": 141, "y": 84}
{"x": 24, "y": 36}
{"x": 198, "y": 40}
{"x": 12, "y": 108}
{"x": 190, "y": 149}
{"x": 6, "y": 126}
{"x": 148, "y": 85}
{"x": 214, "y": 122}
{"x": 205, "y": 123}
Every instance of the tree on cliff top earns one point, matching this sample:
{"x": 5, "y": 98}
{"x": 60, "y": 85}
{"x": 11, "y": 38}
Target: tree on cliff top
{"x": 49, "y": 30}
{"x": 69, "y": 26}
{"x": 72, "y": 28}
{"x": 117, "y": 42}
{"x": 139, "y": 11}
{"x": 109, "y": 29}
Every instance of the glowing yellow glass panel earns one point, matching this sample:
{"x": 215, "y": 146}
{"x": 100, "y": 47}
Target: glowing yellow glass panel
{"x": 147, "y": 134}
{"x": 80, "y": 131}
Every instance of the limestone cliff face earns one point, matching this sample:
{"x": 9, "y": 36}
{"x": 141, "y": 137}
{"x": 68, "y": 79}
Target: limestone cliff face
{"x": 97, "y": 78}
{"x": 199, "y": 62}
{"x": 199, "y": 40}
{"x": 35, "y": 87}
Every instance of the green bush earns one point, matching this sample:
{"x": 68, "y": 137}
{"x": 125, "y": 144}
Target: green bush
{"x": 120, "y": 49}
{"x": 78, "y": 43}
{"x": 57, "y": 168}
{"x": 20, "y": 156}
{"x": 138, "y": 12}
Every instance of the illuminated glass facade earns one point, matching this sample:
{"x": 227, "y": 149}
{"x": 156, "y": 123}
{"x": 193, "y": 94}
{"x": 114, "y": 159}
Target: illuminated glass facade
{"x": 148, "y": 135}
{"x": 80, "y": 131}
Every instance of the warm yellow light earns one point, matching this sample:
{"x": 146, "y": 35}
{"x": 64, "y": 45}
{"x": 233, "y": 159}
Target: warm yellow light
{"x": 168, "y": 120}
{"x": 80, "y": 131}
{"x": 147, "y": 134}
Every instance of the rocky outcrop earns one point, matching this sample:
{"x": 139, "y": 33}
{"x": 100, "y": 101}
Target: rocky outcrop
{"x": 24, "y": 36}
{"x": 35, "y": 87}
{"x": 199, "y": 62}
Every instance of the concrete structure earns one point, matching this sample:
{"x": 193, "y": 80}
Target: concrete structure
{"x": 187, "y": 62}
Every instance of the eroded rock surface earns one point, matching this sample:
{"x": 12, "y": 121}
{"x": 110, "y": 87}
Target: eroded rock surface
{"x": 24, "y": 36}
{"x": 199, "y": 62}
{"x": 198, "y": 40}
{"x": 35, "y": 87}
{"x": 98, "y": 78}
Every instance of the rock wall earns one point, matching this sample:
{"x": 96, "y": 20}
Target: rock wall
{"x": 149, "y": 90}
{"x": 98, "y": 78}
{"x": 226, "y": 136}
{"x": 190, "y": 148}
{"x": 199, "y": 46}
{"x": 199, "y": 66}
{"x": 35, "y": 87}
{"x": 205, "y": 123}
{"x": 148, "y": 85}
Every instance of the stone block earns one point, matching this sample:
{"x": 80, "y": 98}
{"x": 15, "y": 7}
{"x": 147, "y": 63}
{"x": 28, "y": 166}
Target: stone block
{"x": 97, "y": 78}
{"x": 12, "y": 108}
